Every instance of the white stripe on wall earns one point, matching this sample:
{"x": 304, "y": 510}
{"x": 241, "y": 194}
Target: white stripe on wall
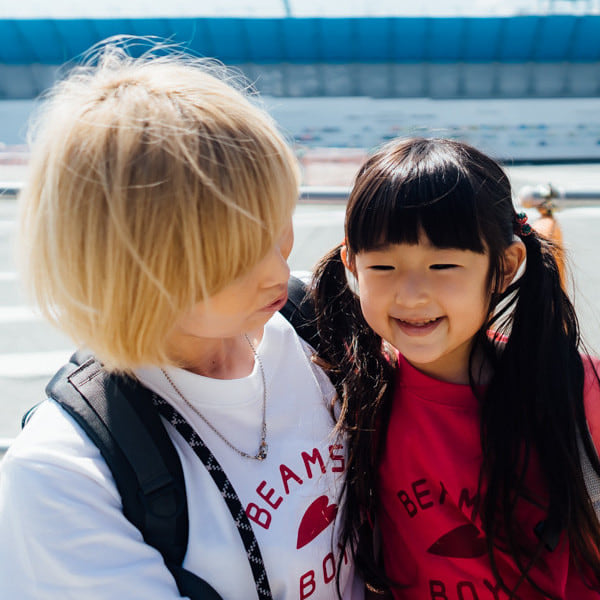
{"x": 18, "y": 314}
{"x": 32, "y": 364}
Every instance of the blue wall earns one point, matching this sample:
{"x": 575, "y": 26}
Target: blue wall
{"x": 553, "y": 38}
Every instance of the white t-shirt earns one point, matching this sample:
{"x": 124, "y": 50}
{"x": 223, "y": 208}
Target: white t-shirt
{"x": 63, "y": 534}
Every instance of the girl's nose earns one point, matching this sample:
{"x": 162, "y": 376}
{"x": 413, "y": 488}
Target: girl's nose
{"x": 411, "y": 291}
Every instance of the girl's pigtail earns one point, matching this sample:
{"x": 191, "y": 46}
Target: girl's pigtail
{"x": 560, "y": 376}
{"x": 354, "y": 358}
{"x": 348, "y": 349}
{"x": 336, "y": 308}
{"x": 535, "y": 401}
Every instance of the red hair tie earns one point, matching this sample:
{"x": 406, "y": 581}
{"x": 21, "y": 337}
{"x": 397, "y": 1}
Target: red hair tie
{"x": 521, "y": 226}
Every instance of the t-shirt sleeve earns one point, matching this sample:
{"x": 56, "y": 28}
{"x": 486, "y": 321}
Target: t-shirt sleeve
{"x": 63, "y": 532}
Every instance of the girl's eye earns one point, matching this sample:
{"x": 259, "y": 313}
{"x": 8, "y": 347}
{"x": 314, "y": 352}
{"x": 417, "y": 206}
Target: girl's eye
{"x": 442, "y": 267}
{"x": 381, "y": 267}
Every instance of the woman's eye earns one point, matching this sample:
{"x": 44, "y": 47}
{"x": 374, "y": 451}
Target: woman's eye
{"x": 442, "y": 267}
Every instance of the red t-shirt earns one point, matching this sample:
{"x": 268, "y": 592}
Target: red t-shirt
{"x": 433, "y": 543}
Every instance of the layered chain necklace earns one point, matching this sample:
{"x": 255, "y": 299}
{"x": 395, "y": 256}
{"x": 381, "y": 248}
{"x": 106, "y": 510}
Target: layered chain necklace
{"x": 263, "y": 448}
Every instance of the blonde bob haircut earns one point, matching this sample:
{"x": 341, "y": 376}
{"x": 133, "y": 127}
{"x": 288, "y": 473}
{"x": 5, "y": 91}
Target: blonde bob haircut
{"x": 154, "y": 183}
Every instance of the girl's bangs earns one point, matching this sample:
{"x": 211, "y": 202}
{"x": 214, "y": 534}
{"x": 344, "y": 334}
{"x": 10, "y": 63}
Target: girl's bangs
{"x": 442, "y": 206}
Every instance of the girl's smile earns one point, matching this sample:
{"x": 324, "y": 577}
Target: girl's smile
{"x": 413, "y": 327}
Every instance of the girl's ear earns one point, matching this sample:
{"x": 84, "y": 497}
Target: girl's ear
{"x": 348, "y": 262}
{"x": 514, "y": 257}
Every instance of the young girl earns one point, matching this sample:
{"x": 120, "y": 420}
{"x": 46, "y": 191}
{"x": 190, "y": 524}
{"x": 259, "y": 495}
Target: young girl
{"x": 155, "y": 229}
{"x": 457, "y": 356}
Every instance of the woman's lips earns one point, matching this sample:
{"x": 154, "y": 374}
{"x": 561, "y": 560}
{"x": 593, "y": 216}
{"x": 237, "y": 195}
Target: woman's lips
{"x": 277, "y": 304}
{"x": 418, "y": 328}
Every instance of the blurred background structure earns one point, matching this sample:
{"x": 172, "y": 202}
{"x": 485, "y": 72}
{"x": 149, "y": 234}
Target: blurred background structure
{"x": 519, "y": 79}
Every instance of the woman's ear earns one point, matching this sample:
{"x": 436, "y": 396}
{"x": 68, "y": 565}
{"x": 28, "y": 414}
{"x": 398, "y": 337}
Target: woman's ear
{"x": 514, "y": 258}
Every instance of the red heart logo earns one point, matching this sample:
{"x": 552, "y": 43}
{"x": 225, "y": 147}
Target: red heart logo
{"x": 465, "y": 541}
{"x": 315, "y": 520}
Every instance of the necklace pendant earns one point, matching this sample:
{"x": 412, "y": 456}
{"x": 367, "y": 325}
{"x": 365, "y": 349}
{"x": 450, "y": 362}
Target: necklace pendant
{"x": 262, "y": 451}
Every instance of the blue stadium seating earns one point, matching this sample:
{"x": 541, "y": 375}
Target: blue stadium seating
{"x": 551, "y": 38}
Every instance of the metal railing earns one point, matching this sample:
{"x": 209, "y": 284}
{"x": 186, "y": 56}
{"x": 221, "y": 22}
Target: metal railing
{"x": 10, "y": 190}
{"x": 568, "y": 197}
{"x": 4, "y": 445}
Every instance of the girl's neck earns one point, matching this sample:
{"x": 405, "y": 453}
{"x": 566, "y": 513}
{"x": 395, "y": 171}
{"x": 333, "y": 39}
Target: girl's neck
{"x": 458, "y": 372}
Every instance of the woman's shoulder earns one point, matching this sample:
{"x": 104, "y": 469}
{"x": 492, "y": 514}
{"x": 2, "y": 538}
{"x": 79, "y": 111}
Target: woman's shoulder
{"x": 281, "y": 340}
{"x": 56, "y": 497}
{"x": 297, "y": 352}
{"x": 53, "y": 443}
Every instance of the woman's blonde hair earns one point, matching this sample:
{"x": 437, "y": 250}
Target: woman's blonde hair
{"x": 154, "y": 182}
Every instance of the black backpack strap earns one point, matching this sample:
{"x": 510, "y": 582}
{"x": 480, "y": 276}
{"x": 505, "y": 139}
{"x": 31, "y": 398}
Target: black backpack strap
{"x": 118, "y": 415}
{"x": 299, "y": 310}
{"x": 133, "y": 446}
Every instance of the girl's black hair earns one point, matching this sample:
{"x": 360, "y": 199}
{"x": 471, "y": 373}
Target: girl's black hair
{"x": 533, "y": 404}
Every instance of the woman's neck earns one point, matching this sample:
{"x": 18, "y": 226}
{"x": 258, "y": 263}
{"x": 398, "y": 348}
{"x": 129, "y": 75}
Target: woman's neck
{"x": 217, "y": 358}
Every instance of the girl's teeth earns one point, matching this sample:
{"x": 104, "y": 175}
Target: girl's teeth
{"x": 421, "y": 323}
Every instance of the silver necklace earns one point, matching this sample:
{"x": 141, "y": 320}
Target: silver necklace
{"x": 263, "y": 448}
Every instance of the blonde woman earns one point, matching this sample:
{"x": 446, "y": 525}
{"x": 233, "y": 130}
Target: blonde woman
{"x": 155, "y": 230}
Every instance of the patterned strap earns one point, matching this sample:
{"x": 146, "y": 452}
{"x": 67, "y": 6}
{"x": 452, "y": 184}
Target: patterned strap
{"x": 227, "y": 491}
{"x": 591, "y": 400}
{"x": 592, "y": 481}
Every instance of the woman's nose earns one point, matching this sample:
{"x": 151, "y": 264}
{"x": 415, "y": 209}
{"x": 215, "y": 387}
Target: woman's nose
{"x": 277, "y": 270}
